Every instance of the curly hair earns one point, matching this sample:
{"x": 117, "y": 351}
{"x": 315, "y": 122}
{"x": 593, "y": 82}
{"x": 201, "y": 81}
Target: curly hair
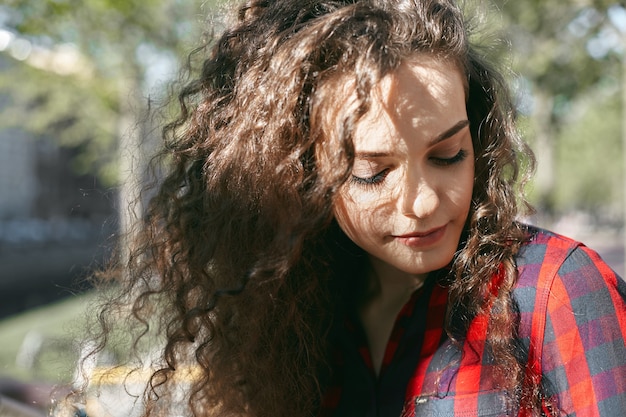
{"x": 237, "y": 253}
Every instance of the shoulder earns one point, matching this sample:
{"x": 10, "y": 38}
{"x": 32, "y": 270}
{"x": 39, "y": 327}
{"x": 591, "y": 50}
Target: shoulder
{"x": 546, "y": 253}
{"x": 554, "y": 270}
{"x": 543, "y": 247}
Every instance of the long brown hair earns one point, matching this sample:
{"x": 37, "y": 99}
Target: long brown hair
{"x": 235, "y": 252}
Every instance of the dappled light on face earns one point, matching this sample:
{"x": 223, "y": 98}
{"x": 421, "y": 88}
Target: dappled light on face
{"x": 409, "y": 193}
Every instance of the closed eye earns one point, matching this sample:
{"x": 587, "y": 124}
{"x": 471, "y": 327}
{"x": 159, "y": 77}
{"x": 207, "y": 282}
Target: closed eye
{"x": 459, "y": 157}
{"x": 370, "y": 181}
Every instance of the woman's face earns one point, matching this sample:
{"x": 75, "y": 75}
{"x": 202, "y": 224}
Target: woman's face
{"x": 411, "y": 187}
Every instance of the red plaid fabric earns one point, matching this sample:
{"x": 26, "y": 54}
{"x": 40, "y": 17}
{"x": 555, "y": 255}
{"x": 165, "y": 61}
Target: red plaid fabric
{"x": 572, "y": 328}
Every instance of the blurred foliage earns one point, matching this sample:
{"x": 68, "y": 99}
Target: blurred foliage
{"x": 550, "y": 41}
{"x": 80, "y": 114}
{"x": 566, "y": 58}
{"x": 90, "y": 64}
{"x": 589, "y": 151}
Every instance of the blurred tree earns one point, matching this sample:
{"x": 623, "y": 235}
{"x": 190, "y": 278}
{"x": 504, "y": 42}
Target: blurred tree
{"x": 556, "y": 57}
{"x": 88, "y": 66}
{"x": 87, "y": 72}
{"x": 587, "y": 149}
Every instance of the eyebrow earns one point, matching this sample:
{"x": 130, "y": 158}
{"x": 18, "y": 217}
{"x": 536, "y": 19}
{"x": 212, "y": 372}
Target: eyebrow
{"x": 449, "y": 133}
{"x": 439, "y": 138}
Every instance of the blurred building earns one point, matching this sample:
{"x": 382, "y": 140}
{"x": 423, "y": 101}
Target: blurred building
{"x": 53, "y": 223}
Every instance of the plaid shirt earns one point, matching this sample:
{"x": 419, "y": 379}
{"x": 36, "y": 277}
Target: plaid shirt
{"x": 573, "y": 308}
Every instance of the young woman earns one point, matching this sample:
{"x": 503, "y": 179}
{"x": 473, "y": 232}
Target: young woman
{"x": 336, "y": 234}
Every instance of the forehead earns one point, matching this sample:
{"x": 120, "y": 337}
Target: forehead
{"x": 421, "y": 99}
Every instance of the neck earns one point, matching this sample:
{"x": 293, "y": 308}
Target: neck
{"x": 391, "y": 287}
{"x": 389, "y": 291}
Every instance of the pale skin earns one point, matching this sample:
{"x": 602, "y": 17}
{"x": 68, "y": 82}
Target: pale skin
{"x": 411, "y": 190}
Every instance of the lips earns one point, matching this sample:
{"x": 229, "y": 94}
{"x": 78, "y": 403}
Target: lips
{"x": 422, "y": 239}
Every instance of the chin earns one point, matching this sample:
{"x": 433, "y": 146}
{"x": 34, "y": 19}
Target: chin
{"x": 428, "y": 265}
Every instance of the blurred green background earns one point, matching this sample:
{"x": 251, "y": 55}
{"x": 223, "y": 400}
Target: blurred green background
{"x": 77, "y": 78}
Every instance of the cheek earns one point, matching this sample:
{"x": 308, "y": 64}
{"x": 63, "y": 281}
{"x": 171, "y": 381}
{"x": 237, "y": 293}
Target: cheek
{"x": 366, "y": 200}
{"x": 457, "y": 189}
{"x": 464, "y": 189}
{"x": 352, "y": 216}
{"x": 345, "y": 216}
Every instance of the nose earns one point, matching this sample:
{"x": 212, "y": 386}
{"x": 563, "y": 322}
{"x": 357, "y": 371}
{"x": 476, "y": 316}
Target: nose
{"x": 419, "y": 198}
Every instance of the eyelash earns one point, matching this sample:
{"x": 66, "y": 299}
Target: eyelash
{"x": 371, "y": 181}
{"x": 460, "y": 156}
{"x": 380, "y": 177}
